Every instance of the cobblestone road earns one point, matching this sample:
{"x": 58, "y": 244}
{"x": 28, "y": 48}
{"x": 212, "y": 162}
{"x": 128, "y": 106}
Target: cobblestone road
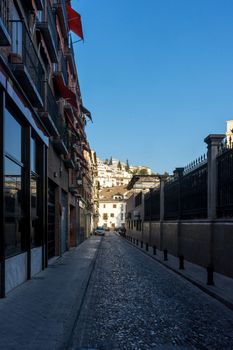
{"x": 135, "y": 303}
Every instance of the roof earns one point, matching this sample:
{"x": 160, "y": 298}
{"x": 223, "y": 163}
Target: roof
{"x": 142, "y": 179}
{"x": 107, "y": 194}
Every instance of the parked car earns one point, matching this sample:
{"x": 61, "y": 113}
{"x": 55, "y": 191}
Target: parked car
{"x": 99, "y": 231}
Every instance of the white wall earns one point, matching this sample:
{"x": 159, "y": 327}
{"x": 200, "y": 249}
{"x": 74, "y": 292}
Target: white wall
{"x": 119, "y": 213}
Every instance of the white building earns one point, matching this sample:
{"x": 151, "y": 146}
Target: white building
{"x": 112, "y": 206}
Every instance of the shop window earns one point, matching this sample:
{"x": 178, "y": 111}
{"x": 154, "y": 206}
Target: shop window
{"x": 13, "y": 194}
{"x": 36, "y": 237}
{"x": 13, "y": 136}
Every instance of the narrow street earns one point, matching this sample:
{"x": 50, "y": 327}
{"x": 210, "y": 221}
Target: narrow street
{"x": 133, "y": 302}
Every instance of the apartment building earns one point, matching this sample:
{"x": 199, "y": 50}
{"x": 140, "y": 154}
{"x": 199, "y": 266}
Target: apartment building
{"x": 45, "y": 158}
{"x": 112, "y": 206}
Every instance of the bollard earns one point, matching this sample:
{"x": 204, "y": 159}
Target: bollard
{"x": 165, "y": 255}
{"x": 147, "y": 247}
{"x": 141, "y": 244}
{"x": 210, "y": 275}
{"x": 154, "y": 250}
{"x": 181, "y": 262}
{"x": 137, "y": 241}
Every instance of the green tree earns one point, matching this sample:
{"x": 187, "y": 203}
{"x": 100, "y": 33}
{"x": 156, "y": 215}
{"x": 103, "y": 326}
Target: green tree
{"x": 110, "y": 161}
{"x": 119, "y": 166}
{"x": 143, "y": 171}
{"x": 106, "y": 161}
{"x": 127, "y": 165}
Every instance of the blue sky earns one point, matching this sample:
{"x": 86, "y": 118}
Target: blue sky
{"x": 157, "y": 76}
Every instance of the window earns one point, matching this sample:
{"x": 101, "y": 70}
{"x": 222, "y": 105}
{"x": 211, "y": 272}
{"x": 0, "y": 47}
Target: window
{"x": 17, "y": 33}
{"x": 105, "y": 216}
{"x": 122, "y": 216}
{"x": 13, "y": 136}
{"x": 114, "y": 206}
{"x": 34, "y": 184}
{"x": 112, "y": 215}
{"x": 104, "y": 206}
{"x": 13, "y": 194}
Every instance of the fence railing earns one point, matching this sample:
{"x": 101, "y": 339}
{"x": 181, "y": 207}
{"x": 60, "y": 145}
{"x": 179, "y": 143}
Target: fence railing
{"x": 194, "y": 194}
{"x": 225, "y": 182}
{"x": 185, "y": 195}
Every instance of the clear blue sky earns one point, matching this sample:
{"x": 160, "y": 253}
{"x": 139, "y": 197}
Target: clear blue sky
{"x": 157, "y": 76}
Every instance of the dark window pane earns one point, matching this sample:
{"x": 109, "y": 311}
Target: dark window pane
{"x": 33, "y": 155}
{"x": 13, "y": 207}
{"x": 12, "y": 132}
{"x": 36, "y": 233}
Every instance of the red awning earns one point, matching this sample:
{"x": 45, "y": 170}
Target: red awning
{"x": 74, "y": 21}
{"x": 64, "y": 91}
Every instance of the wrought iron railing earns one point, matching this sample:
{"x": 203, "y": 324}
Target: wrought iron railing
{"x": 152, "y": 206}
{"x": 51, "y": 104}
{"x": 23, "y": 46}
{"x": 52, "y": 24}
{"x": 225, "y": 182}
{"x": 63, "y": 68}
{"x": 4, "y": 13}
{"x": 172, "y": 199}
{"x": 194, "y": 193}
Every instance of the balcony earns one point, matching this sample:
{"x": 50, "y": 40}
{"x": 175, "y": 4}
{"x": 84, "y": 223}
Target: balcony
{"x": 47, "y": 25}
{"x": 61, "y": 68}
{"x": 68, "y": 161}
{"x": 69, "y": 52}
{"x": 50, "y": 112}
{"x": 28, "y": 4}
{"x": 60, "y": 142}
{"x": 26, "y": 65}
{"x": 60, "y": 8}
{"x": 5, "y": 39}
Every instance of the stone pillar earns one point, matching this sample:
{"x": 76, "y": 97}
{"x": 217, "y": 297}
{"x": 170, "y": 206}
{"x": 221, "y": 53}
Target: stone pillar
{"x": 213, "y": 142}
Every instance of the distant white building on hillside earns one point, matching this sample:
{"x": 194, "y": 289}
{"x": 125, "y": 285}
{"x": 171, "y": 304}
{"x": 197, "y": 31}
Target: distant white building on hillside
{"x": 112, "y": 175}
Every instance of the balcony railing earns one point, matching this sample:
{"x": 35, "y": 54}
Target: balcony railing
{"x": 47, "y": 25}
{"x": 60, "y": 7}
{"x": 26, "y": 64}
{"x": 70, "y": 55}
{"x": 4, "y": 23}
{"x": 52, "y": 107}
{"x": 63, "y": 68}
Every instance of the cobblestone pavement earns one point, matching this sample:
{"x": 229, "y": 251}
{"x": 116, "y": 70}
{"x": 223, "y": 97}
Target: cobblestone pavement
{"x": 135, "y": 303}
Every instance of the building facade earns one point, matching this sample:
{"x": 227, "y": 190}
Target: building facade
{"x": 45, "y": 165}
{"x": 112, "y": 207}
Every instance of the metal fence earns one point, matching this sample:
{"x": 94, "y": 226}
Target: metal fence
{"x": 225, "y": 182}
{"x": 194, "y": 194}
{"x": 185, "y": 194}
{"x": 172, "y": 199}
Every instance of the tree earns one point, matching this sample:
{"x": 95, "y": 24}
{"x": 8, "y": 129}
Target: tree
{"x": 110, "y": 161}
{"x": 106, "y": 161}
{"x": 127, "y": 165}
{"x": 143, "y": 171}
{"x": 119, "y": 166}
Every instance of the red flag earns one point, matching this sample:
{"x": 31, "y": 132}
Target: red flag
{"x": 74, "y": 21}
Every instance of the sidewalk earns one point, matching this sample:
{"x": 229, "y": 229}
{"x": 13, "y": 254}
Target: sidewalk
{"x": 197, "y": 275}
{"x": 40, "y": 314}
